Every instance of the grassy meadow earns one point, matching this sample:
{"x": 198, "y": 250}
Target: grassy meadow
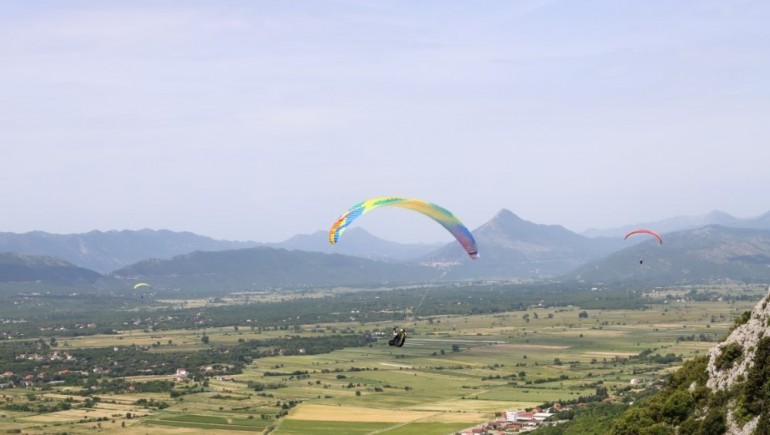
{"x": 453, "y": 372}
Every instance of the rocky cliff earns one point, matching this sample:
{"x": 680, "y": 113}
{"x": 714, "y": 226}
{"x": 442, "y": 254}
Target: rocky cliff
{"x": 737, "y": 368}
{"x": 724, "y": 392}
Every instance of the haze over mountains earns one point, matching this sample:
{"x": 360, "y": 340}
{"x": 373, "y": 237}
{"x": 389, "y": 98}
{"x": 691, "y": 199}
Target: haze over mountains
{"x": 680, "y": 223}
{"x": 710, "y": 253}
{"x": 104, "y": 252}
{"x": 511, "y": 248}
{"x": 360, "y": 243}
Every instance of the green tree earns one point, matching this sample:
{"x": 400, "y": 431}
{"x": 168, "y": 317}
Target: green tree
{"x": 730, "y": 354}
{"x": 715, "y": 423}
{"x": 677, "y": 407}
{"x": 632, "y": 422}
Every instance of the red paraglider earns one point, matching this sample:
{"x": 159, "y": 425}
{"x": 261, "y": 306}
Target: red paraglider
{"x": 645, "y": 231}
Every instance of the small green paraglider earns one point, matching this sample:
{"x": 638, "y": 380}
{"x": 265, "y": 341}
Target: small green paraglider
{"x": 141, "y": 285}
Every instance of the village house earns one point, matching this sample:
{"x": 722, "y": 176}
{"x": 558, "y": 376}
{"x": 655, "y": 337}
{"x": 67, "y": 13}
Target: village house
{"x": 181, "y": 374}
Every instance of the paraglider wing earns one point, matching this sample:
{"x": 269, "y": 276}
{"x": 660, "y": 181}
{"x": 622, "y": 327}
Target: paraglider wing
{"x": 433, "y": 211}
{"x": 645, "y": 231}
{"x": 141, "y": 284}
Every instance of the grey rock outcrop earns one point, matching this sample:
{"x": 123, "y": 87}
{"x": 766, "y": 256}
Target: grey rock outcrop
{"x": 724, "y": 373}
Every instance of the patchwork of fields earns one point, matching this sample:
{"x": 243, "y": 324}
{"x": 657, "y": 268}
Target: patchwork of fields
{"x": 453, "y": 372}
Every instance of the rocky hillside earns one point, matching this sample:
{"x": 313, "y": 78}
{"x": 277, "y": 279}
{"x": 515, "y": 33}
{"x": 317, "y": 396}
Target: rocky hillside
{"x": 723, "y": 392}
{"x": 740, "y": 369}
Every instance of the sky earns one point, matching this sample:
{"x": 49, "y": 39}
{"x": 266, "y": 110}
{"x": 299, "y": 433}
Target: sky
{"x": 259, "y": 120}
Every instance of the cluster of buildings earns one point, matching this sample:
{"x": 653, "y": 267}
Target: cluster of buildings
{"x": 54, "y": 356}
{"x": 516, "y": 421}
{"x": 9, "y": 380}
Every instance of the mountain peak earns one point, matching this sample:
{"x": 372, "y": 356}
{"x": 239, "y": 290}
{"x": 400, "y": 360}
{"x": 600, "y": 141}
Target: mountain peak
{"x": 512, "y": 246}
{"x": 506, "y": 215}
{"x": 718, "y": 217}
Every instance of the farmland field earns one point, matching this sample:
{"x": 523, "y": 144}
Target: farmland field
{"x": 453, "y": 372}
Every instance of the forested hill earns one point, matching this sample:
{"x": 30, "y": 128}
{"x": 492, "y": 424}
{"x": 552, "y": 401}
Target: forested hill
{"x": 20, "y": 268}
{"x": 263, "y": 267}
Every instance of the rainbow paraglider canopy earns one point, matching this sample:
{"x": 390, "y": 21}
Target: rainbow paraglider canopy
{"x": 433, "y": 211}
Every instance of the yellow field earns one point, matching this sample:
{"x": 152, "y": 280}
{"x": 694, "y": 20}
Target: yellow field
{"x": 609, "y": 354}
{"x": 513, "y": 347}
{"x": 486, "y": 407}
{"x": 400, "y": 366}
{"x": 78, "y": 414}
{"x": 351, "y": 413}
{"x": 588, "y": 332}
{"x": 147, "y": 429}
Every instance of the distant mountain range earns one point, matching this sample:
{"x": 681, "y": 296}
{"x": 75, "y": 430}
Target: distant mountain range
{"x": 510, "y": 247}
{"x": 680, "y": 223}
{"x": 513, "y": 247}
{"x": 107, "y": 251}
{"x": 359, "y": 243}
{"x": 710, "y": 253}
{"x": 264, "y": 268}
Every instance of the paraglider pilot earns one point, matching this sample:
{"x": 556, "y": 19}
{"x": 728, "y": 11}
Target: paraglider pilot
{"x": 399, "y": 337}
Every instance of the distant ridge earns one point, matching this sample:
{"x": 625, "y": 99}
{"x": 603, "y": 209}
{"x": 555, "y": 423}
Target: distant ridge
{"x": 710, "y": 253}
{"x": 31, "y": 268}
{"x": 111, "y": 250}
{"x": 681, "y": 223}
{"x": 511, "y": 248}
{"x": 264, "y": 268}
{"x": 360, "y": 243}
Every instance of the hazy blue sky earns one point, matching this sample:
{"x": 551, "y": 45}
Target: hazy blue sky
{"x": 258, "y": 120}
